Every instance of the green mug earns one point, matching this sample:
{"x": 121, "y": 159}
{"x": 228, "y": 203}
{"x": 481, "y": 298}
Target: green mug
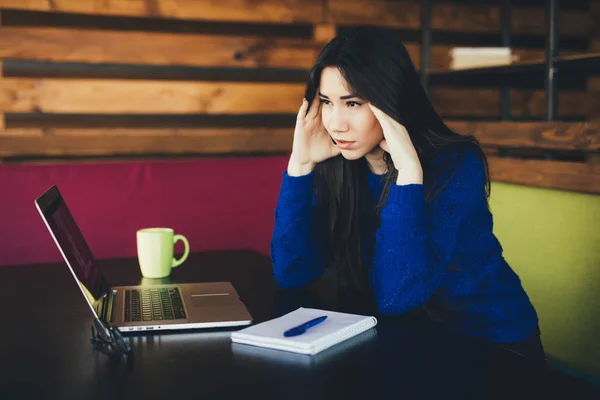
{"x": 155, "y": 251}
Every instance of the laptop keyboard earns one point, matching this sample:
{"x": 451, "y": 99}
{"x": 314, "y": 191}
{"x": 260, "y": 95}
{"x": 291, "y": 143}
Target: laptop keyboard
{"x": 153, "y": 305}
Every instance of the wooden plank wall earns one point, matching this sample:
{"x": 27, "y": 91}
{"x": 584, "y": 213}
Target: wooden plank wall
{"x": 82, "y": 78}
{"x": 594, "y": 81}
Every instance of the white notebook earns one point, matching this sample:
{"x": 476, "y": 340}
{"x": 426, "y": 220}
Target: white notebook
{"x": 335, "y": 329}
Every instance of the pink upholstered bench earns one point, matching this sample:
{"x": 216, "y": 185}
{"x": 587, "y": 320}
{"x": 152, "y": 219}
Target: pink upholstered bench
{"x": 217, "y": 203}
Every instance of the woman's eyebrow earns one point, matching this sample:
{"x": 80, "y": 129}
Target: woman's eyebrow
{"x": 349, "y": 96}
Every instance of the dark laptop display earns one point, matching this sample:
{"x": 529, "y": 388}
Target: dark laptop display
{"x": 72, "y": 242}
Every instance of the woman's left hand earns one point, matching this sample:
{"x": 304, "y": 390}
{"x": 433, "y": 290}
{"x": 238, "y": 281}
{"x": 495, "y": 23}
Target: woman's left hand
{"x": 396, "y": 141}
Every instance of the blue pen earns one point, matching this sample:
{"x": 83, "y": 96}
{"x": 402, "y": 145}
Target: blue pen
{"x": 300, "y": 329}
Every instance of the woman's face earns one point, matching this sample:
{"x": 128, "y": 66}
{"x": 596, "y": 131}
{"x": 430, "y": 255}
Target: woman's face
{"x": 348, "y": 118}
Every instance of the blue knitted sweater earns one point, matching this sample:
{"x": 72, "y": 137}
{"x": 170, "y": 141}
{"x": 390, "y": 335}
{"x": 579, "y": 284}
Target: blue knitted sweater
{"x": 467, "y": 276}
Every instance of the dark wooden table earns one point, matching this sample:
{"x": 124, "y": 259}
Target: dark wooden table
{"x": 46, "y": 350}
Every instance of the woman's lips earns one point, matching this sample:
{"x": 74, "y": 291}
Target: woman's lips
{"x": 344, "y": 144}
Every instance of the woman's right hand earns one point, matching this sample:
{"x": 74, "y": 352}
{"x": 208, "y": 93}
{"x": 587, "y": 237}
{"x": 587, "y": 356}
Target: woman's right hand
{"x": 312, "y": 144}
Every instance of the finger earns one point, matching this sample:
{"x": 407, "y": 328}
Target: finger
{"x": 375, "y": 110}
{"x": 302, "y": 110}
{"x": 380, "y": 115}
{"x": 383, "y": 118}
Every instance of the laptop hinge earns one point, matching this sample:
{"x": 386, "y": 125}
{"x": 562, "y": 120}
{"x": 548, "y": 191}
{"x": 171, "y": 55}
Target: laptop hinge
{"x": 101, "y": 307}
{"x": 110, "y": 308}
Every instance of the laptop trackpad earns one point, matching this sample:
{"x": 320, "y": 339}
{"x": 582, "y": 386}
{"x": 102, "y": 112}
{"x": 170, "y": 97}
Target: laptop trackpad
{"x": 212, "y": 300}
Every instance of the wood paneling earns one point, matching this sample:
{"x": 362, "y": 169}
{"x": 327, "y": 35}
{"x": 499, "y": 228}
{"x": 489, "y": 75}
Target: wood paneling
{"x": 403, "y": 14}
{"x": 100, "y": 46}
{"x": 111, "y": 96}
{"x": 451, "y": 101}
{"x": 582, "y": 136}
{"x": 572, "y": 176}
{"x": 448, "y": 16}
{"x": 107, "y": 96}
{"x": 107, "y": 142}
{"x": 147, "y": 97}
{"x": 288, "y": 11}
{"x": 56, "y": 142}
{"x": 594, "y": 81}
{"x": 399, "y": 14}
{"x": 531, "y": 103}
{"x": 529, "y": 20}
{"x": 594, "y": 86}
{"x": 323, "y": 33}
{"x": 2, "y": 119}
{"x": 574, "y": 136}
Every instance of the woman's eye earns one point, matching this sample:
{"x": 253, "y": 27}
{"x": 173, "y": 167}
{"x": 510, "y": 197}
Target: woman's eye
{"x": 349, "y": 104}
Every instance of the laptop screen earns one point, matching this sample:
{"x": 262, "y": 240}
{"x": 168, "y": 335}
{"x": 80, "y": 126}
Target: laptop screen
{"x": 71, "y": 242}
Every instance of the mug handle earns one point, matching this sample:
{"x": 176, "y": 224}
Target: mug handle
{"x": 186, "y": 252}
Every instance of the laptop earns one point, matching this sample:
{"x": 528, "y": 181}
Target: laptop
{"x": 140, "y": 307}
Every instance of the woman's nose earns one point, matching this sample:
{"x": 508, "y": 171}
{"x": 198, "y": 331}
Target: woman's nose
{"x": 338, "y": 122}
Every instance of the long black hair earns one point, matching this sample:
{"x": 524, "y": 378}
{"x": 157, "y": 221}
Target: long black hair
{"x": 378, "y": 69}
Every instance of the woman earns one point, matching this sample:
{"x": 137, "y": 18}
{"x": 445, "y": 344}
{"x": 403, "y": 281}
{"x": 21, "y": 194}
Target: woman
{"x": 379, "y": 192}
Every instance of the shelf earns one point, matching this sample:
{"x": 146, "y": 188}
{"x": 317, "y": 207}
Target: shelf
{"x": 589, "y": 63}
{"x": 515, "y": 68}
{"x": 522, "y": 74}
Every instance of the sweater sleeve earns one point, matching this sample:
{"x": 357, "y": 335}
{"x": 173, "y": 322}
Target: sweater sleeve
{"x": 296, "y": 253}
{"x": 415, "y": 245}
